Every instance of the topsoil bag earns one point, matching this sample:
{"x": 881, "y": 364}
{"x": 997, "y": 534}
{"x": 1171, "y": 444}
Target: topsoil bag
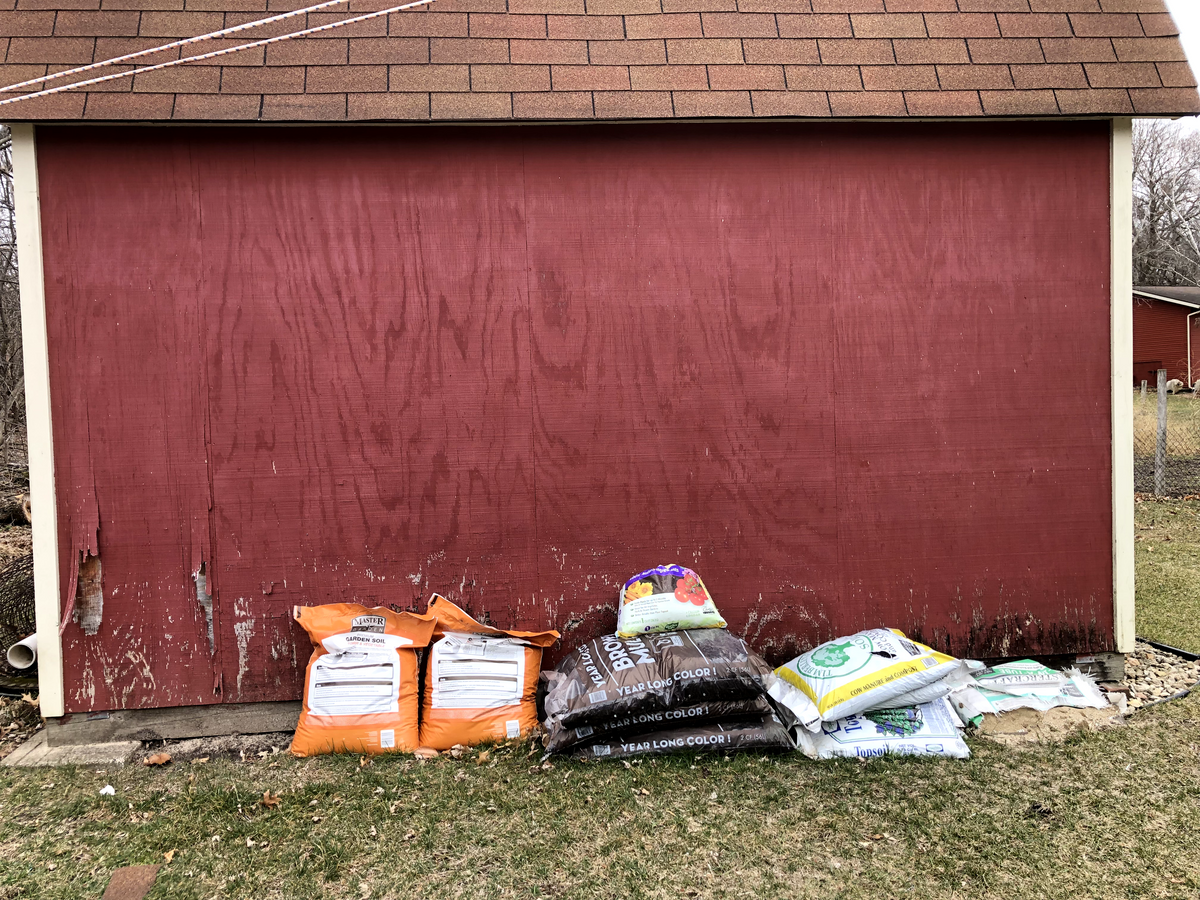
{"x": 665, "y": 598}
{"x": 930, "y": 729}
{"x": 360, "y": 689}
{"x": 611, "y": 677}
{"x": 480, "y": 682}
{"x": 865, "y": 671}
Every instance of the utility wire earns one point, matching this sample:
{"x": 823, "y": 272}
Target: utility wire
{"x": 212, "y": 54}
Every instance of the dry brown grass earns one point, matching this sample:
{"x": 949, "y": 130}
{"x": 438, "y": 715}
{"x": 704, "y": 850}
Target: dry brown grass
{"x": 1110, "y": 814}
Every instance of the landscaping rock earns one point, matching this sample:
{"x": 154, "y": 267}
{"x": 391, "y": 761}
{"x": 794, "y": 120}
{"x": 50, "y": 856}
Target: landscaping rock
{"x": 1154, "y": 675}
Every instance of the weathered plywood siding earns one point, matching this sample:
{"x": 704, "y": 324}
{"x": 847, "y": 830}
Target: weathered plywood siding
{"x": 518, "y": 365}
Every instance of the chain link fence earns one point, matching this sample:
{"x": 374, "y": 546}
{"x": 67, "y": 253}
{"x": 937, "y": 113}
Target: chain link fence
{"x": 1166, "y": 442}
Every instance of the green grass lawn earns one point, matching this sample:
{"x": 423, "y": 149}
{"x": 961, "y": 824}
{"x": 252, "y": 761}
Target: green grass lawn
{"x": 1108, "y": 814}
{"x": 1111, "y": 814}
{"x": 1167, "y": 547}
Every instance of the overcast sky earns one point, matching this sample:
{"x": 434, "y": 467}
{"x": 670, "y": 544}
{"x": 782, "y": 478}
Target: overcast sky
{"x": 1186, "y": 14}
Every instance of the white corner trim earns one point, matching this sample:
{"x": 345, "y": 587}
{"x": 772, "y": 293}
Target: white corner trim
{"x": 1121, "y": 233}
{"x": 37, "y": 414}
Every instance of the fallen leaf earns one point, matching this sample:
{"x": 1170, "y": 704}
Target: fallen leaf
{"x": 269, "y": 800}
{"x": 425, "y": 753}
{"x": 250, "y": 842}
{"x": 363, "y": 762}
{"x": 481, "y": 758}
{"x": 170, "y": 855}
{"x": 32, "y": 700}
{"x": 374, "y": 833}
{"x": 108, "y": 790}
{"x": 201, "y": 761}
{"x": 645, "y": 793}
{"x": 410, "y": 835}
{"x": 157, "y": 759}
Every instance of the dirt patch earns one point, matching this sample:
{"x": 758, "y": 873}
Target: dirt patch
{"x": 15, "y": 541}
{"x": 241, "y": 747}
{"x": 1026, "y": 727}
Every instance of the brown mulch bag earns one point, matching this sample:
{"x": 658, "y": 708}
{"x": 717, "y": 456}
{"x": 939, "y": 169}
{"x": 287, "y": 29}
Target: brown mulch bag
{"x": 610, "y": 677}
{"x": 360, "y": 688}
{"x": 480, "y": 682}
{"x": 762, "y": 734}
{"x": 562, "y": 739}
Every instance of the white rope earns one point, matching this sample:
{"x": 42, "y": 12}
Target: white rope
{"x": 187, "y": 59}
{"x": 192, "y": 40}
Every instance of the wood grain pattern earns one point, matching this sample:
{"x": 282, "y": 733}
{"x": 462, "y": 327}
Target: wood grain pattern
{"x": 517, "y": 366}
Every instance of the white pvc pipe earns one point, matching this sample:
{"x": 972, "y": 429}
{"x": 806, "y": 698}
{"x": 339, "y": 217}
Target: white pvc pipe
{"x": 23, "y": 654}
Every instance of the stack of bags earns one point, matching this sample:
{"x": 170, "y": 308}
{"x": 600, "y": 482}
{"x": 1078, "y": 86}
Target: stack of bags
{"x": 363, "y": 692}
{"x": 671, "y": 680}
{"x": 871, "y": 694}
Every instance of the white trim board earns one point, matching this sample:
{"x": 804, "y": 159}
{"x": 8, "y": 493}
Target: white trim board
{"x": 1150, "y": 296}
{"x": 37, "y": 416}
{"x": 1121, "y": 277}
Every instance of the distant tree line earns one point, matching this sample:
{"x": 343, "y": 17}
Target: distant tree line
{"x": 12, "y": 381}
{"x": 1166, "y": 204}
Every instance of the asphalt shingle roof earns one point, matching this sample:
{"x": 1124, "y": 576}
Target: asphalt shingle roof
{"x": 612, "y": 59}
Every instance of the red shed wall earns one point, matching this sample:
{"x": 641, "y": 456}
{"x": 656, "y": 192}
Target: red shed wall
{"x": 518, "y": 365}
{"x": 1160, "y": 341}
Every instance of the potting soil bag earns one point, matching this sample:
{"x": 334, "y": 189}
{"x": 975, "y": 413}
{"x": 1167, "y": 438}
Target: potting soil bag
{"x": 561, "y": 739}
{"x": 480, "y": 682}
{"x": 856, "y": 673}
{"x": 665, "y": 598}
{"x": 611, "y": 677}
{"x": 360, "y": 689}
{"x": 1029, "y": 684}
{"x": 764, "y": 733}
{"x": 931, "y": 729}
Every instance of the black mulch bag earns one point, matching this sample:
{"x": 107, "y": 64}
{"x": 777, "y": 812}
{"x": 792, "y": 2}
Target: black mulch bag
{"x": 764, "y": 734}
{"x": 562, "y": 739}
{"x": 610, "y": 677}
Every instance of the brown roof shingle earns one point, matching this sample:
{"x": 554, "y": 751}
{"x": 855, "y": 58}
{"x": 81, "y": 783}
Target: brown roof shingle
{"x": 608, "y": 59}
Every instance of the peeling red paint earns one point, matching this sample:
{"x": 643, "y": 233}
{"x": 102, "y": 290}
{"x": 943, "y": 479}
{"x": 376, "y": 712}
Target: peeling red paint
{"x": 516, "y": 366}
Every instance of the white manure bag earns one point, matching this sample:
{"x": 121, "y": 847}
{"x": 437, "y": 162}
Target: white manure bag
{"x": 931, "y": 729}
{"x": 856, "y": 673}
{"x": 665, "y": 598}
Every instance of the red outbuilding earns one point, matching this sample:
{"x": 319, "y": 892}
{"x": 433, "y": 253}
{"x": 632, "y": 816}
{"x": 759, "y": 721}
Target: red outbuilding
{"x": 1166, "y": 334}
{"x": 512, "y": 299}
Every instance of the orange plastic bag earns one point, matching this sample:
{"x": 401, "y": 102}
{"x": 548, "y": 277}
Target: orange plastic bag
{"x": 480, "y": 682}
{"x": 360, "y": 689}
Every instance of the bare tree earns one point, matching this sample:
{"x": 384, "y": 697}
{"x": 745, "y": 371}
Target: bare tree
{"x": 12, "y": 381}
{"x": 1166, "y": 204}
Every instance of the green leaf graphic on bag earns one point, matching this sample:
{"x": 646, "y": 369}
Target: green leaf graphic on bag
{"x": 832, "y": 656}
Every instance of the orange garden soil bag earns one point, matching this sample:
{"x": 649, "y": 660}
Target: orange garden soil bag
{"x": 480, "y": 682}
{"x": 360, "y": 690}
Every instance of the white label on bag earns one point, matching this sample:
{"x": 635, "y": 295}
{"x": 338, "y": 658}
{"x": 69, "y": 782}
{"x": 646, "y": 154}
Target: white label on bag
{"x": 476, "y": 671}
{"x": 355, "y": 684}
{"x": 512, "y": 729}
{"x": 387, "y": 738}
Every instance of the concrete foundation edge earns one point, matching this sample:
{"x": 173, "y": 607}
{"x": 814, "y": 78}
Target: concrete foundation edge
{"x": 171, "y": 724}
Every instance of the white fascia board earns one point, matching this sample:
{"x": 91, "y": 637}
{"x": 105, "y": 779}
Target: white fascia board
{"x": 1121, "y": 259}
{"x": 37, "y": 415}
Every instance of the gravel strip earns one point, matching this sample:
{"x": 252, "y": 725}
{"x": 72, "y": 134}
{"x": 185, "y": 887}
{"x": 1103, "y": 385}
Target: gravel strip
{"x": 1155, "y": 674}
